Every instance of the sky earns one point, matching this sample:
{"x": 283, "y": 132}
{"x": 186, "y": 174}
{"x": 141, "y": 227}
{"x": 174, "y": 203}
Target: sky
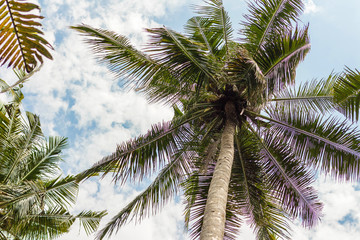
{"x": 77, "y": 97}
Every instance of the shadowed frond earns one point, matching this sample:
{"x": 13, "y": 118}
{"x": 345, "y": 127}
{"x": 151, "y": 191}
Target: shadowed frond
{"x": 50, "y": 224}
{"x": 347, "y": 93}
{"x": 289, "y": 179}
{"x": 22, "y": 45}
{"x": 329, "y": 145}
{"x": 266, "y": 19}
{"x": 253, "y": 193}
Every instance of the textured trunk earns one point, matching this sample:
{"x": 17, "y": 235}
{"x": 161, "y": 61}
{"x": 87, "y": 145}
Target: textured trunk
{"x": 215, "y": 209}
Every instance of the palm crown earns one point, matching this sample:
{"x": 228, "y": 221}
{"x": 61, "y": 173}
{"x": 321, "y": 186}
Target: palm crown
{"x": 243, "y": 142}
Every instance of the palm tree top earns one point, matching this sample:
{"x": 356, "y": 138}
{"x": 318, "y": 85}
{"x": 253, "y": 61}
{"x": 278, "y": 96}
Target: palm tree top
{"x": 232, "y": 95}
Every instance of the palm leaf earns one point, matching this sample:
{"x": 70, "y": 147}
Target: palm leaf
{"x": 119, "y": 55}
{"x": 24, "y": 145}
{"x": 267, "y": 18}
{"x": 347, "y": 93}
{"x": 252, "y": 192}
{"x": 316, "y": 95}
{"x": 321, "y": 142}
{"x": 144, "y": 73}
{"x": 140, "y": 157}
{"x": 42, "y": 162}
{"x": 20, "y": 36}
{"x": 90, "y": 220}
{"x": 154, "y": 197}
{"x": 59, "y": 191}
{"x": 290, "y": 179}
{"x": 279, "y": 58}
{"x": 219, "y": 27}
{"x": 183, "y": 56}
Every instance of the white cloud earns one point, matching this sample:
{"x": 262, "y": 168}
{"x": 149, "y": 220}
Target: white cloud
{"x": 311, "y": 7}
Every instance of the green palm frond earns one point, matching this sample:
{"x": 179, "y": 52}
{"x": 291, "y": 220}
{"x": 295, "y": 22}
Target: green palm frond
{"x": 42, "y": 162}
{"x": 316, "y": 95}
{"x": 154, "y": 197}
{"x": 23, "y": 145}
{"x": 147, "y": 75}
{"x": 183, "y": 56}
{"x": 198, "y": 29}
{"x": 219, "y": 29}
{"x": 347, "y": 93}
{"x": 90, "y": 220}
{"x": 22, "y": 45}
{"x": 120, "y": 56}
{"x": 279, "y": 58}
{"x": 266, "y": 19}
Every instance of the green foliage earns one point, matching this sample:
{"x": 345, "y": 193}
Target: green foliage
{"x": 34, "y": 199}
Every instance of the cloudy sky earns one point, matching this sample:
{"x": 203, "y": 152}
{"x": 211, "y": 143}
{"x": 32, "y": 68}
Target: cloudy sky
{"x": 80, "y": 99}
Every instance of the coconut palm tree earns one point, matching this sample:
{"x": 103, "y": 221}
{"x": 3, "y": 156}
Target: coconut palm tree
{"x": 243, "y": 144}
{"x": 34, "y": 198}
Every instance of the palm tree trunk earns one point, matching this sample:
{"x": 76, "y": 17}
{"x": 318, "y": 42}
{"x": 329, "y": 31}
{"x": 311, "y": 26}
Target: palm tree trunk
{"x": 215, "y": 209}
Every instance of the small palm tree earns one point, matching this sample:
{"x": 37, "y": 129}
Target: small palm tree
{"x": 34, "y": 198}
{"x": 243, "y": 142}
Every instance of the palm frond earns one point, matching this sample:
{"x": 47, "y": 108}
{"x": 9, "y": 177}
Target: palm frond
{"x": 290, "y": 179}
{"x": 120, "y": 56}
{"x": 138, "y": 158}
{"x": 329, "y": 145}
{"x": 42, "y": 163}
{"x": 347, "y": 93}
{"x": 55, "y": 192}
{"x": 22, "y": 45}
{"x": 279, "y": 58}
{"x": 90, "y": 220}
{"x": 46, "y": 225}
{"x": 183, "y": 56}
{"x": 267, "y": 18}
{"x": 23, "y": 146}
{"x": 316, "y": 95}
{"x": 154, "y": 197}
{"x": 253, "y": 193}
{"x": 219, "y": 27}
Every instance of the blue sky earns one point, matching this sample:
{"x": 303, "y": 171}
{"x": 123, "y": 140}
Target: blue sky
{"x": 78, "y": 98}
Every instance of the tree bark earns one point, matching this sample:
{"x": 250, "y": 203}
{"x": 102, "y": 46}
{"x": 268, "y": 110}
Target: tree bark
{"x": 215, "y": 209}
